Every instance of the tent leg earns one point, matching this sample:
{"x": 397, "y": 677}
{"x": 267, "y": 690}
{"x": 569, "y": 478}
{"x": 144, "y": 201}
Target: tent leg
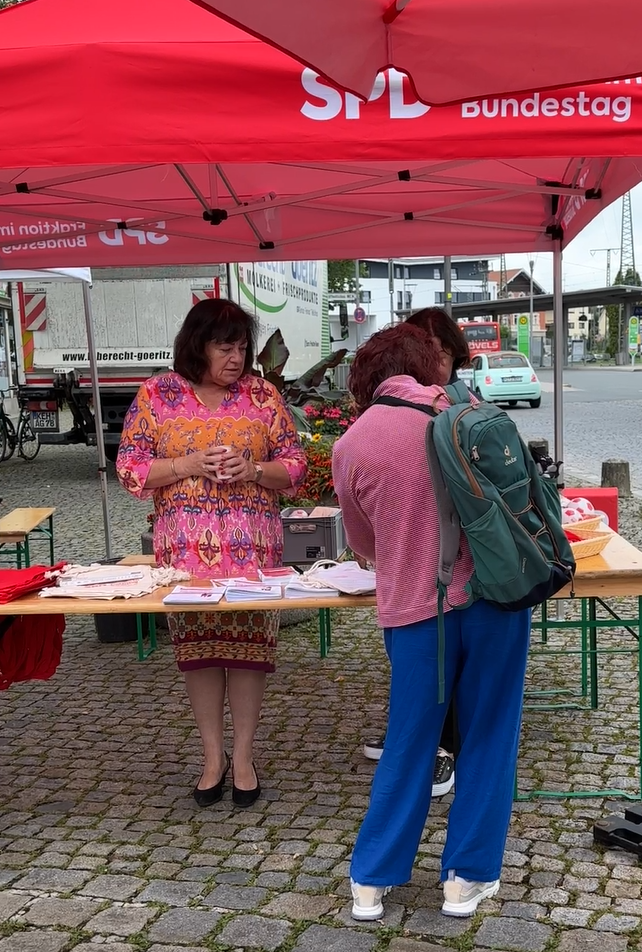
{"x": 558, "y": 355}
{"x": 98, "y": 416}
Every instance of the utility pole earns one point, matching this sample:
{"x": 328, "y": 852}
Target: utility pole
{"x": 502, "y": 290}
{"x": 391, "y": 289}
{"x": 608, "y": 251}
{"x": 448, "y": 286}
{"x": 627, "y": 248}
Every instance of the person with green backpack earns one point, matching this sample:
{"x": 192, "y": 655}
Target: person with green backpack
{"x": 441, "y": 494}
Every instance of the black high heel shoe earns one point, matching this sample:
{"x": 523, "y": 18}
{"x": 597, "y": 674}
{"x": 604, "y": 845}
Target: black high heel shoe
{"x": 245, "y": 798}
{"x": 211, "y": 795}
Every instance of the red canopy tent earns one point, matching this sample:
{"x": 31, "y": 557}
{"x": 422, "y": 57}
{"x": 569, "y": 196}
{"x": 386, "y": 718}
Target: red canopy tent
{"x": 133, "y": 136}
{"x": 451, "y": 49}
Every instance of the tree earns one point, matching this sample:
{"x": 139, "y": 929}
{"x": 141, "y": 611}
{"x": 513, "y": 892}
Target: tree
{"x": 614, "y": 328}
{"x": 341, "y": 274}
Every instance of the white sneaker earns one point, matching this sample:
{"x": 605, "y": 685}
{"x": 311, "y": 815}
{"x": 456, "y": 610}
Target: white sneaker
{"x": 367, "y": 904}
{"x": 443, "y": 779}
{"x": 373, "y": 749}
{"x": 461, "y": 896}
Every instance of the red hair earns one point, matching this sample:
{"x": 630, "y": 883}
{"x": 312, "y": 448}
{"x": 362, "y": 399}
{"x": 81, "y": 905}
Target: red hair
{"x": 400, "y": 350}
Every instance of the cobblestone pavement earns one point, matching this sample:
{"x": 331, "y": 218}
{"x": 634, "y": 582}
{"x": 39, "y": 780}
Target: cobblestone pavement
{"x": 103, "y": 847}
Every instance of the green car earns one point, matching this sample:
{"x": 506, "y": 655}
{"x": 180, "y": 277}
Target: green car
{"x": 506, "y": 377}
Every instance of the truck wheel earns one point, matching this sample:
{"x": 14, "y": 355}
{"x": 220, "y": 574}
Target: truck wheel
{"x": 111, "y": 452}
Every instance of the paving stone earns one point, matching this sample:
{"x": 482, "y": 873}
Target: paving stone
{"x": 234, "y": 878}
{"x": 60, "y": 912}
{"x": 61, "y": 880}
{"x": 235, "y": 897}
{"x": 168, "y": 854}
{"x": 255, "y": 932}
{"x": 549, "y": 897}
{"x": 303, "y": 883}
{"x": 10, "y": 903}
{"x": 411, "y": 945}
{"x": 183, "y": 925}
{"x": 430, "y": 922}
{"x": 93, "y": 947}
{"x": 514, "y": 934}
{"x": 616, "y": 924}
{"x": 564, "y": 916}
{"x": 165, "y": 948}
{"x": 121, "y": 920}
{"x": 41, "y": 941}
{"x": 169, "y": 892}
{"x": 273, "y": 880}
{"x": 324, "y": 939}
{"x": 523, "y": 910}
{"x": 584, "y": 940}
{"x": 113, "y": 887}
{"x": 299, "y": 906}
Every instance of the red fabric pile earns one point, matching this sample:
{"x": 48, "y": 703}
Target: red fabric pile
{"x": 30, "y": 645}
{"x": 30, "y": 648}
{"x": 17, "y": 582}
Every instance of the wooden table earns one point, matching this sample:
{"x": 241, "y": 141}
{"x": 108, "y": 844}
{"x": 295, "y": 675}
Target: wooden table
{"x": 17, "y": 526}
{"x": 616, "y": 572}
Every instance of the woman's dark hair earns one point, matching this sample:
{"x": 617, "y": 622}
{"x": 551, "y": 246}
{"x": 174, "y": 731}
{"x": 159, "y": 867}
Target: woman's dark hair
{"x": 439, "y": 324}
{"x": 213, "y": 320}
{"x": 400, "y": 350}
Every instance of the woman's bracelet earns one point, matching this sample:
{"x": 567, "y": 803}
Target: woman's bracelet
{"x": 176, "y": 476}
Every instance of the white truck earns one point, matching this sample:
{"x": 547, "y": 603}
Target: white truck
{"x": 136, "y": 315}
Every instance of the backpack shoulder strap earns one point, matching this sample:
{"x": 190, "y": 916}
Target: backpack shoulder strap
{"x": 398, "y": 402}
{"x": 458, "y": 392}
{"x": 449, "y": 526}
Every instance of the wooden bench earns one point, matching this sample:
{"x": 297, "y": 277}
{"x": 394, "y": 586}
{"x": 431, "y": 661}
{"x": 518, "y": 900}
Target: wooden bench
{"x": 16, "y": 528}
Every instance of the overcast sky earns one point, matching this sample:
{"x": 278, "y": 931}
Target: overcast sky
{"x": 581, "y": 268}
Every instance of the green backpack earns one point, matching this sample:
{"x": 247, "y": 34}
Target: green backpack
{"x": 487, "y": 486}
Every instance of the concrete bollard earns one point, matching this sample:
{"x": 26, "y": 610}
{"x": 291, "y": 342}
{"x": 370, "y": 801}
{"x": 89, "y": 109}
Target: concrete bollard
{"x": 616, "y": 474}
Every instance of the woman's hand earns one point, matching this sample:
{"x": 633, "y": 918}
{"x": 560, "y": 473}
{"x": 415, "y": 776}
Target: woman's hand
{"x": 205, "y": 463}
{"x": 235, "y": 468}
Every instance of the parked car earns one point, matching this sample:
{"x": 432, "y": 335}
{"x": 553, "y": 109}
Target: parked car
{"x": 506, "y": 377}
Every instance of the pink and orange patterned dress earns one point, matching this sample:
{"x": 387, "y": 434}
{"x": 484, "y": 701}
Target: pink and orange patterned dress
{"x": 213, "y": 529}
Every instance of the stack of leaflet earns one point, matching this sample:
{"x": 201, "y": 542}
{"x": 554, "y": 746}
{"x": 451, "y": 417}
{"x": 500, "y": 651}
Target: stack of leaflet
{"x": 300, "y": 588}
{"x": 242, "y": 590}
{"x": 191, "y": 595}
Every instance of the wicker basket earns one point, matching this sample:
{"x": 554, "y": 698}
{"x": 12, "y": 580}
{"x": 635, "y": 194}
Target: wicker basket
{"x": 592, "y": 543}
{"x": 594, "y": 523}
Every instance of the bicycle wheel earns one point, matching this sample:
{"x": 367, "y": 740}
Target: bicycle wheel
{"x": 28, "y": 442}
{"x": 3, "y": 440}
{"x": 9, "y": 439}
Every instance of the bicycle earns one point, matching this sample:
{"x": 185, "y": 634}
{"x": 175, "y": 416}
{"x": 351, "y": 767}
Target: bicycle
{"x": 24, "y": 437}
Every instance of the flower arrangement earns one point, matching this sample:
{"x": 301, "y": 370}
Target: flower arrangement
{"x": 318, "y": 487}
{"x": 330, "y": 419}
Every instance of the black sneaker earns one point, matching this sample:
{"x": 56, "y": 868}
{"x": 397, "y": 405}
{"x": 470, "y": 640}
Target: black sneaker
{"x": 443, "y": 778}
{"x": 373, "y": 749}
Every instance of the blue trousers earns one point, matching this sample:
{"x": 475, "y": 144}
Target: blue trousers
{"x": 486, "y": 653}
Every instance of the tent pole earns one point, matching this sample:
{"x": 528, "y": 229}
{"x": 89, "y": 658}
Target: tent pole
{"x": 558, "y": 355}
{"x": 98, "y": 415}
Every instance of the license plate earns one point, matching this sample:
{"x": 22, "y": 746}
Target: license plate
{"x": 42, "y": 420}
{"x": 511, "y": 379}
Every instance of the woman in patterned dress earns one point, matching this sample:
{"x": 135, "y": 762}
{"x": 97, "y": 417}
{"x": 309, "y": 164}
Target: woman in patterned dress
{"x": 214, "y": 446}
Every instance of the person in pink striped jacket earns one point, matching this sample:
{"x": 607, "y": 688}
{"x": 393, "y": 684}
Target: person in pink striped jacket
{"x": 383, "y": 484}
